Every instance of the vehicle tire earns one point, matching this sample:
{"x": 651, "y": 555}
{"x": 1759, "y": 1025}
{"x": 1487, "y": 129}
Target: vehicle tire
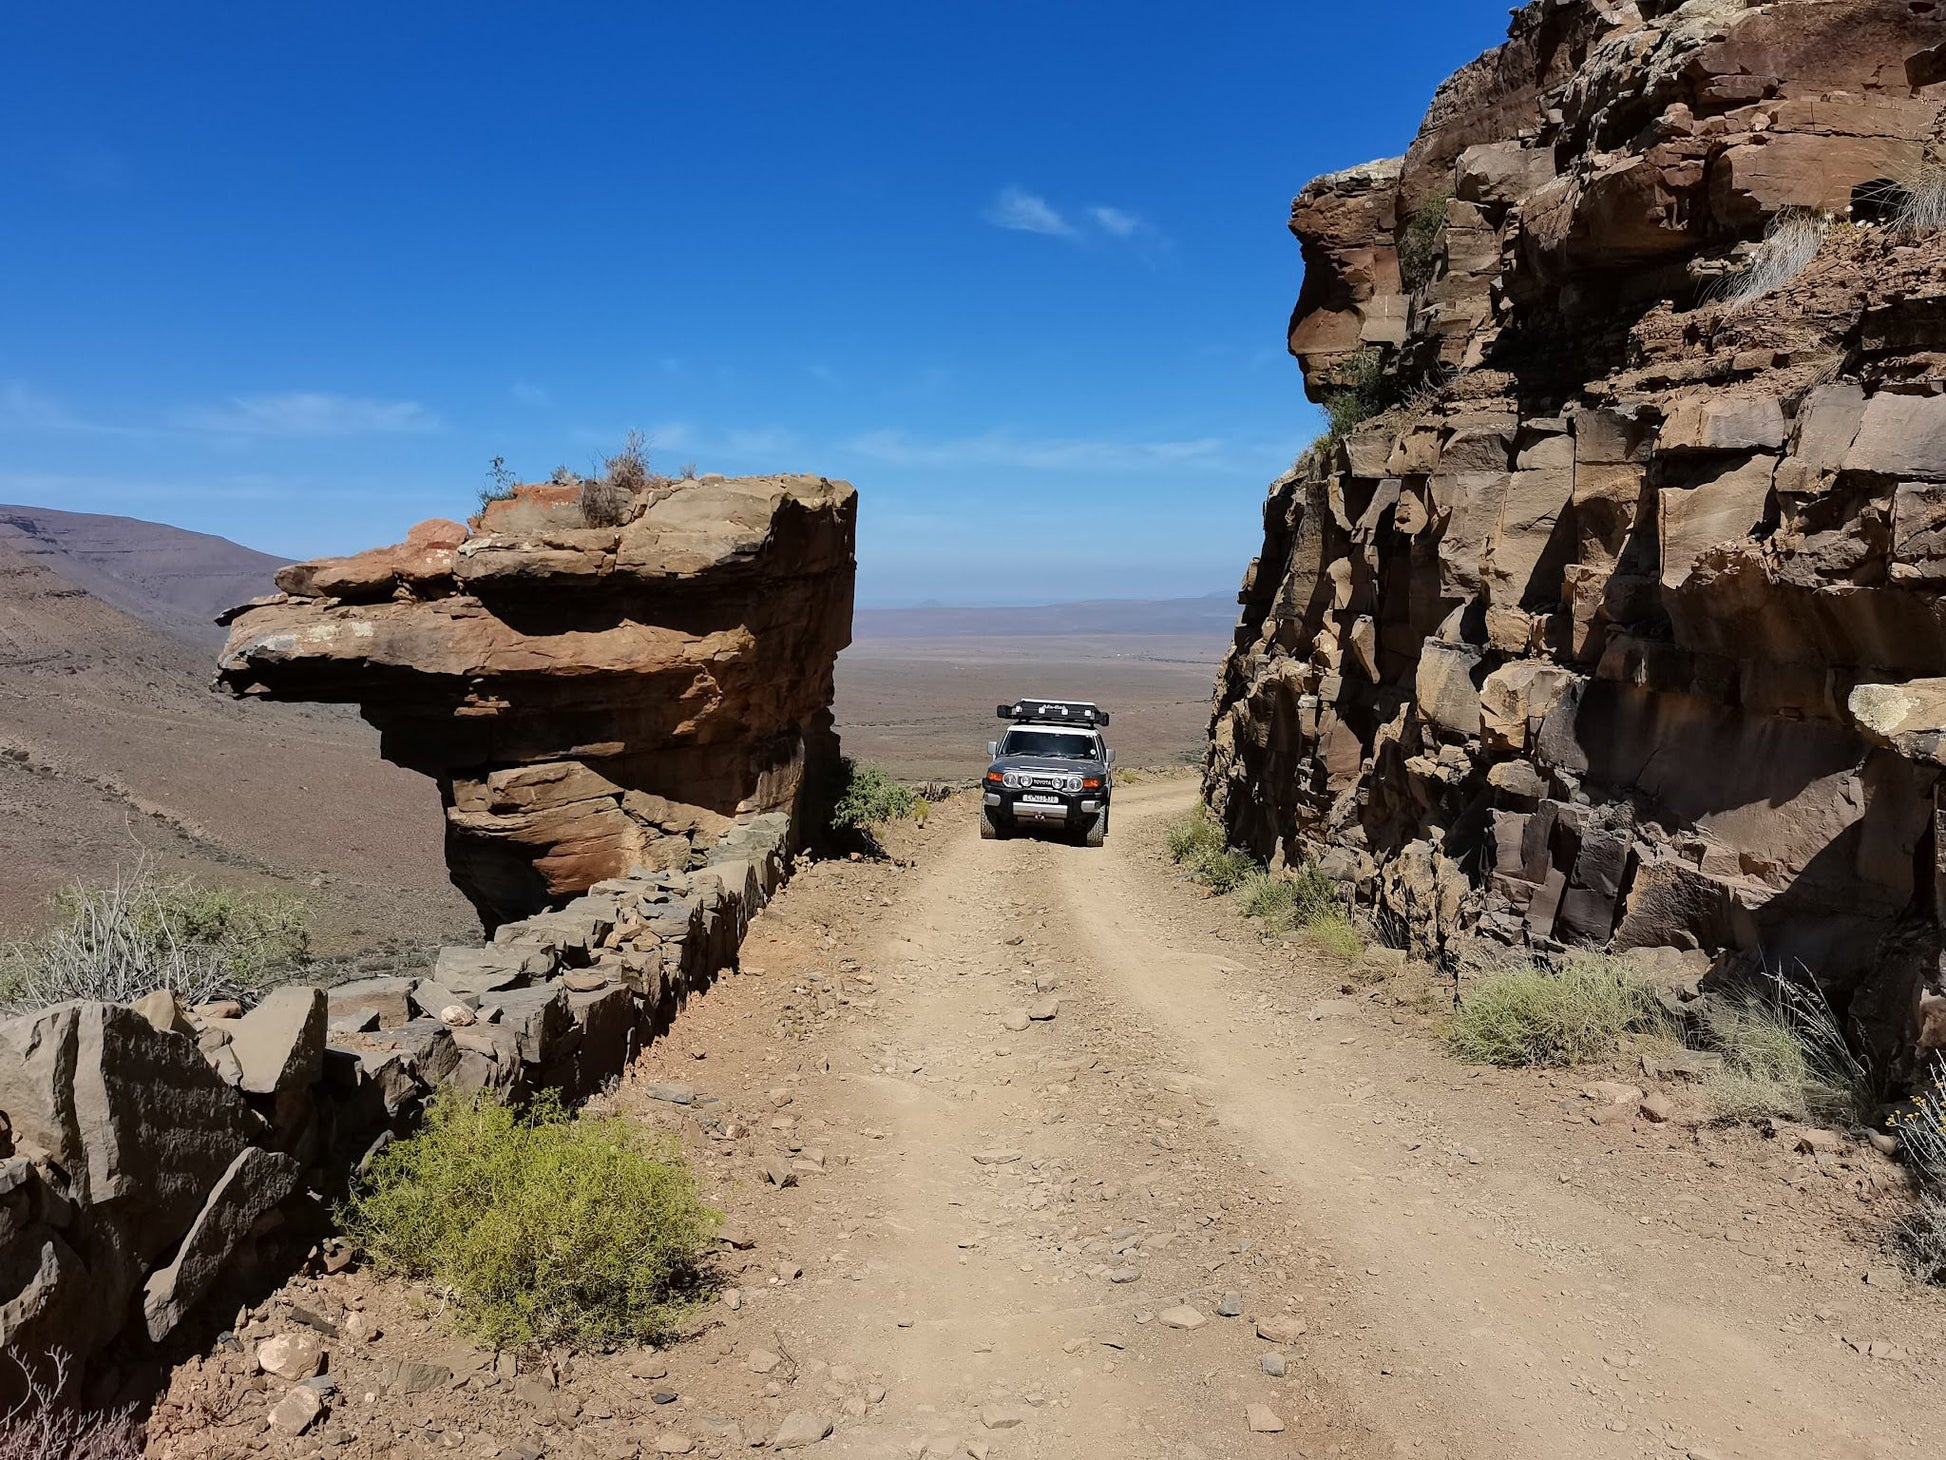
{"x": 988, "y": 830}
{"x": 1097, "y": 832}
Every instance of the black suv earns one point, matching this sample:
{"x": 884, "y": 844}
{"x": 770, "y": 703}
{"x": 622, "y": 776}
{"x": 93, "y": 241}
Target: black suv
{"x": 1051, "y": 769}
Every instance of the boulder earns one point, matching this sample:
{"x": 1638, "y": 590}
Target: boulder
{"x": 279, "y": 1045}
{"x": 256, "y": 1181}
{"x": 134, "y": 1116}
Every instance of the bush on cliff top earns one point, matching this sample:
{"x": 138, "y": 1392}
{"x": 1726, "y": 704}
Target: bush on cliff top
{"x": 872, "y": 798}
{"x": 144, "y": 931}
{"x": 540, "y": 1227}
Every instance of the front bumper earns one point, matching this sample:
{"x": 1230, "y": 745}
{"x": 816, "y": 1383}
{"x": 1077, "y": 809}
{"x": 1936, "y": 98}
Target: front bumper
{"x": 1064, "y": 810}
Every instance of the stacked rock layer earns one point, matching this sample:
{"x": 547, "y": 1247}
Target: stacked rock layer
{"x": 1620, "y": 625}
{"x": 592, "y": 700}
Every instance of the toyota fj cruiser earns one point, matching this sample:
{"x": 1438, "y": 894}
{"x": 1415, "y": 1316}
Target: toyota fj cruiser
{"x": 1049, "y": 770}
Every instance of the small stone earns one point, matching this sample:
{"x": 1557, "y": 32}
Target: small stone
{"x": 291, "y": 1356}
{"x": 1042, "y": 1010}
{"x": 1278, "y": 1328}
{"x": 762, "y": 1360}
{"x": 1003, "y": 1416}
{"x": 735, "y": 1237}
{"x": 458, "y": 1016}
{"x": 996, "y": 1157}
{"x": 788, "y": 1272}
{"x": 648, "y": 1366}
{"x": 1231, "y": 1306}
{"x": 799, "y": 1429}
{"x": 1182, "y": 1316}
{"x": 665, "y": 1396}
{"x": 1658, "y": 1107}
{"x": 360, "y": 1327}
{"x": 1015, "y": 1019}
{"x": 672, "y": 1094}
{"x": 673, "y": 1443}
{"x": 1273, "y": 1364}
{"x": 297, "y": 1411}
{"x": 1611, "y": 1092}
{"x": 1124, "y": 1275}
{"x": 778, "y": 1173}
{"x": 1813, "y": 1141}
{"x": 1262, "y": 1421}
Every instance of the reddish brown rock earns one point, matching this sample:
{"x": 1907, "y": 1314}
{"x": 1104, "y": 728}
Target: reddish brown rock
{"x": 590, "y": 699}
{"x": 1622, "y": 625}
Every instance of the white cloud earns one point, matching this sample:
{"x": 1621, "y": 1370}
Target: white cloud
{"x": 1003, "y": 449}
{"x": 22, "y": 408}
{"x": 1027, "y": 213}
{"x": 1115, "y": 222}
{"x": 311, "y": 413}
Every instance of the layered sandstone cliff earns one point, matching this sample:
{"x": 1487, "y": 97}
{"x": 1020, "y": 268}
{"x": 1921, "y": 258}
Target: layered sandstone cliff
{"x": 594, "y": 701}
{"x": 1620, "y": 624}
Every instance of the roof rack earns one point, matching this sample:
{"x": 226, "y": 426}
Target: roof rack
{"x": 1053, "y": 712}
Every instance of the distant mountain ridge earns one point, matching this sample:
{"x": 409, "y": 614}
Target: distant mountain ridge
{"x": 174, "y": 580}
{"x": 1214, "y": 614}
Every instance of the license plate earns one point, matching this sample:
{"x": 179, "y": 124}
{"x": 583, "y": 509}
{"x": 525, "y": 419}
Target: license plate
{"x": 1042, "y": 800}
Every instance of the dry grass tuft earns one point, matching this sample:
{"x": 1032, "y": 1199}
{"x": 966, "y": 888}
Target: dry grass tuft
{"x": 1528, "y": 1015}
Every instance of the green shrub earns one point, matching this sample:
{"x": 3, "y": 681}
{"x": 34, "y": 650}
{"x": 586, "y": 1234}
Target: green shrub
{"x": 872, "y": 798}
{"x": 143, "y": 932}
{"x": 1304, "y": 900}
{"x": 1528, "y": 1015}
{"x": 1194, "y": 835}
{"x": 1419, "y": 242}
{"x": 540, "y": 1228}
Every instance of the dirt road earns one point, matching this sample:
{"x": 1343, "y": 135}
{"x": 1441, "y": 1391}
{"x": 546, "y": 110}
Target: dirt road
{"x": 1009, "y": 1235}
{"x": 1008, "y": 1215}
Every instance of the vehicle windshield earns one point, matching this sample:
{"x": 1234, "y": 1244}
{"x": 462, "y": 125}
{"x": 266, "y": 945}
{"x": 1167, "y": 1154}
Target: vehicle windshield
{"x": 1062, "y": 744}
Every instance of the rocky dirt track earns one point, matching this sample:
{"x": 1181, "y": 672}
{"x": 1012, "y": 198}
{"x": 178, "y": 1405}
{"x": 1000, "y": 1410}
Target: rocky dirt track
{"x": 1105, "y": 1232}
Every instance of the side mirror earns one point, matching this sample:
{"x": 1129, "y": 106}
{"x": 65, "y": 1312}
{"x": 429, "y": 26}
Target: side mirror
{"x": 993, "y": 750}
{"x": 1111, "y": 760}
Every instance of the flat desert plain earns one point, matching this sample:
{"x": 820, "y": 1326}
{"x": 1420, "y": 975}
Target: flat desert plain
{"x": 923, "y": 708}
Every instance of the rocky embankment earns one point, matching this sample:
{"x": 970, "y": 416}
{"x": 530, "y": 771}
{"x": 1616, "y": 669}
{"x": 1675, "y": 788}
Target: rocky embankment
{"x": 629, "y": 724}
{"x": 1610, "y": 615}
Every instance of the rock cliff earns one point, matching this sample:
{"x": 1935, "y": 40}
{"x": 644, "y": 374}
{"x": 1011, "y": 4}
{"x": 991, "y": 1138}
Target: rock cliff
{"x": 1609, "y": 614}
{"x": 592, "y": 700}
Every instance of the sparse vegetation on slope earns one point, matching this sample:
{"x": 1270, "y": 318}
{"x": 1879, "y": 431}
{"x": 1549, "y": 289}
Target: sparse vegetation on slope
{"x": 1418, "y": 242}
{"x": 540, "y": 1227}
{"x": 1529, "y": 1015}
{"x": 1784, "y": 1054}
{"x": 1790, "y": 243}
{"x": 142, "y": 932}
{"x": 1283, "y": 902}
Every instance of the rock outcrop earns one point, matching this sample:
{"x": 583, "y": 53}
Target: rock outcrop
{"x": 1616, "y": 622}
{"x": 592, "y": 700}
{"x": 153, "y": 1159}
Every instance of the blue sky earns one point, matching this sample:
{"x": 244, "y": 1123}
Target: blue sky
{"x": 293, "y": 273}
